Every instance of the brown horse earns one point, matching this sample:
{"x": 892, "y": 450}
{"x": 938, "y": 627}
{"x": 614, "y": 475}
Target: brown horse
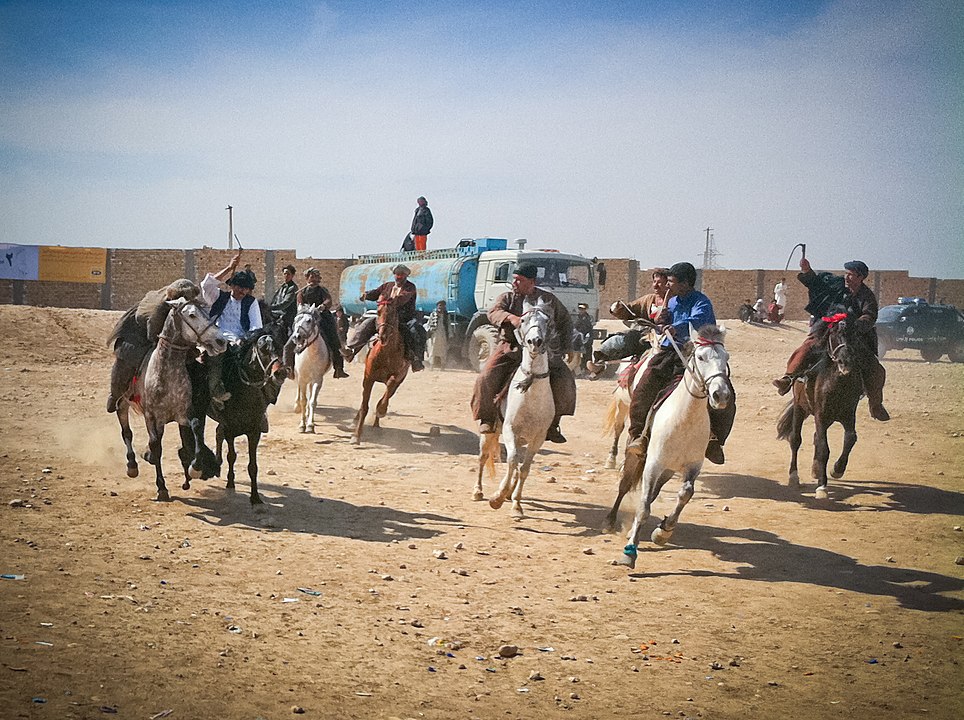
{"x": 831, "y": 393}
{"x": 386, "y": 363}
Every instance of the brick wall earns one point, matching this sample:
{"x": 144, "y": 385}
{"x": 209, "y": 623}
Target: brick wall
{"x": 130, "y": 273}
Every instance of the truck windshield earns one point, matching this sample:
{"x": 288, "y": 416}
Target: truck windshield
{"x": 562, "y": 273}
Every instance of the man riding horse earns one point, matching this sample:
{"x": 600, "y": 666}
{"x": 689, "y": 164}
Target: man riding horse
{"x": 506, "y": 314}
{"x": 314, "y": 293}
{"x": 403, "y": 292}
{"x": 136, "y": 333}
{"x": 632, "y": 342}
{"x": 860, "y": 304}
{"x": 686, "y": 307}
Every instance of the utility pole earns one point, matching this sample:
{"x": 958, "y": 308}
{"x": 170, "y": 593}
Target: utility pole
{"x": 709, "y": 252}
{"x": 230, "y": 227}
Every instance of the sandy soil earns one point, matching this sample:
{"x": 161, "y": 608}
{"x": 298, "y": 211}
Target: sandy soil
{"x": 768, "y": 603}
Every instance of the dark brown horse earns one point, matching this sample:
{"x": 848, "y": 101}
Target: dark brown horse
{"x": 386, "y": 363}
{"x": 830, "y": 393}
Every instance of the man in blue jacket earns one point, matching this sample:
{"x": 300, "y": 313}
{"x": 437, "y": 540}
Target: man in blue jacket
{"x": 686, "y": 307}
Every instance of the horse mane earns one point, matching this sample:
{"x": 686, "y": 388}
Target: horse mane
{"x": 712, "y": 333}
{"x": 153, "y": 308}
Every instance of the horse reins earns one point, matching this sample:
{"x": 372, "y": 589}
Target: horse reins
{"x": 179, "y": 322}
{"x": 265, "y": 375}
{"x": 690, "y": 364}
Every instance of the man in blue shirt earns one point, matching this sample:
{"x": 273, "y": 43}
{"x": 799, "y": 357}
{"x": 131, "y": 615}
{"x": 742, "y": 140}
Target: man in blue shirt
{"x": 686, "y": 307}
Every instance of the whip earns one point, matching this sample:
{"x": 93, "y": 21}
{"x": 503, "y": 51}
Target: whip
{"x": 803, "y": 254}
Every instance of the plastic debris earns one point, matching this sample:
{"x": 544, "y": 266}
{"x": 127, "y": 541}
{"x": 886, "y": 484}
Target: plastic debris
{"x": 289, "y": 600}
{"x": 38, "y": 700}
{"x": 161, "y": 714}
{"x": 309, "y": 591}
{"x": 11, "y": 576}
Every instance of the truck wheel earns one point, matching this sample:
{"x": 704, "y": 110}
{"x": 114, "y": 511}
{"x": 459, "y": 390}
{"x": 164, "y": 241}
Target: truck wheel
{"x": 481, "y": 345}
{"x": 956, "y": 353}
{"x": 931, "y": 353}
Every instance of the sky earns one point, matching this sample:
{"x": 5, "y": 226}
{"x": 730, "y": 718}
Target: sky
{"x": 610, "y": 129}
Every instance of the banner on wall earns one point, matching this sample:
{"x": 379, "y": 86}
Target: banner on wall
{"x": 70, "y": 264}
{"x": 19, "y": 262}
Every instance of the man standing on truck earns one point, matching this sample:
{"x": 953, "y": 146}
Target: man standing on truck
{"x": 422, "y": 224}
{"x": 413, "y": 334}
{"x": 506, "y": 315}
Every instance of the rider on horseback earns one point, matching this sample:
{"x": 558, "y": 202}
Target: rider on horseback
{"x": 136, "y": 333}
{"x": 314, "y": 293}
{"x": 632, "y": 342}
{"x": 686, "y": 307}
{"x": 860, "y": 304}
{"x": 413, "y": 334}
{"x": 506, "y": 314}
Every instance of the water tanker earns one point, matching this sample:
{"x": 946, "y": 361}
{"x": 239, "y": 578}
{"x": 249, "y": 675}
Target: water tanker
{"x": 469, "y": 278}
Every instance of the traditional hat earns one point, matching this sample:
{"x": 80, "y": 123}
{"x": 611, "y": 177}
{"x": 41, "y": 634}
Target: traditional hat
{"x": 584, "y": 306}
{"x": 312, "y": 271}
{"x": 857, "y": 266}
{"x": 401, "y": 269}
{"x": 289, "y": 268}
{"x": 526, "y": 270}
{"x": 242, "y": 278}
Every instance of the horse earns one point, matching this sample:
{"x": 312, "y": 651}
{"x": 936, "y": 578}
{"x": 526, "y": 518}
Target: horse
{"x": 312, "y": 362}
{"x": 830, "y": 394}
{"x": 528, "y": 410}
{"x": 679, "y": 435}
{"x": 386, "y": 363}
{"x": 162, "y": 391}
{"x": 253, "y": 374}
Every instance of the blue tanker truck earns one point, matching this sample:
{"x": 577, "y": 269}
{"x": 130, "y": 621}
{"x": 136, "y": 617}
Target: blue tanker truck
{"x": 469, "y": 278}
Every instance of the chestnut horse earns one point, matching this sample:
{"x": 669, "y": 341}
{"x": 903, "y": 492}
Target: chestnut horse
{"x": 830, "y": 393}
{"x": 386, "y": 363}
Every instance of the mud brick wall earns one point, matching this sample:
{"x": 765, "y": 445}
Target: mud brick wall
{"x": 132, "y": 273}
{"x": 6, "y": 292}
{"x": 623, "y": 282}
{"x": 62, "y": 294}
{"x": 330, "y": 269}
{"x": 950, "y": 292}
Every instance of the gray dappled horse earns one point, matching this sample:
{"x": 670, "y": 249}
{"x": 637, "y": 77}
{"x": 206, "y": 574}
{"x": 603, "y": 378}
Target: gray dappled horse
{"x": 162, "y": 390}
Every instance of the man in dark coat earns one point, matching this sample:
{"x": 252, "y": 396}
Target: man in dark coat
{"x": 506, "y": 315}
{"x": 284, "y": 302}
{"x": 422, "y": 224}
{"x": 860, "y": 304}
{"x": 314, "y": 293}
{"x": 413, "y": 334}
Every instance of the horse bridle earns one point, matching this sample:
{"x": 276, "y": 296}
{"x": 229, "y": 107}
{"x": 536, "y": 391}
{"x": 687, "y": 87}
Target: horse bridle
{"x": 265, "y": 374}
{"x": 180, "y": 324}
{"x": 315, "y": 334}
{"x": 530, "y": 377}
{"x": 689, "y": 363}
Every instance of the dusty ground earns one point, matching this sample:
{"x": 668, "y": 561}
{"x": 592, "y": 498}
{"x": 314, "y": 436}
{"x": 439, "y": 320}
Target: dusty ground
{"x": 768, "y": 604}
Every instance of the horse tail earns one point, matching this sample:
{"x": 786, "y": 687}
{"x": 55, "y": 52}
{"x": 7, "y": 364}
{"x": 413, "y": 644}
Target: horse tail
{"x": 609, "y": 422}
{"x": 785, "y": 422}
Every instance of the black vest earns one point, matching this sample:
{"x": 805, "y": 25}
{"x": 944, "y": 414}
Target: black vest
{"x": 218, "y": 307}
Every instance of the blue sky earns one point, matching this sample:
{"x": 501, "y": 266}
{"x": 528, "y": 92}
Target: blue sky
{"x": 607, "y": 128}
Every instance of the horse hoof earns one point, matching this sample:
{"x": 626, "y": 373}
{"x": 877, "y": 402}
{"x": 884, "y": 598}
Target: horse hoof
{"x": 626, "y": 561}
{"x": 355, "y": 441}
{"x": 836, "y": 474}
{"x": 163, "y": 497}
{"x": 661, "y": 536}
{"x": 310, "y": 429}
{"x": 518, "y": 514}
{"x": 301, "y": 428}
{"x": 496, "y": 503}
{"x": 794, "y": 480}
{"x": 259, "y": 508}
{"x": 186, "y": 485}
{"x": 477, "y": 495}
{"x": 821, "y": 493}
{"x": 132, "y": 471}
{"x": 610, "y": 463}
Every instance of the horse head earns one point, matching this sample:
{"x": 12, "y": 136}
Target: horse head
{"x": 260, "y": 360}
{"x": 709, "y": 362}
{"x": 534, "y": 329}
{"x": 387, "y": 319}
{"x": 191, "y": 323}
{"x": 838, "y": 339}
{"x": 306, "y": 326}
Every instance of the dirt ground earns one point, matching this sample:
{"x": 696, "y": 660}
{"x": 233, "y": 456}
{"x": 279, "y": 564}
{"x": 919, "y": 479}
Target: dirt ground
{"x": 768, "y": 602}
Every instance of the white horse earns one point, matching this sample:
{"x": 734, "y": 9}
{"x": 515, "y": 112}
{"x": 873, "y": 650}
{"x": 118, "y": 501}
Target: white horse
{"x": 312, "y": 362}
{"x": 528, "y": 410}
{"x": 679, "y": 435}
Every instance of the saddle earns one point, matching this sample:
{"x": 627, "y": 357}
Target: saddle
{"x": 626, "y": 377}
{"x": 658, "y": 402}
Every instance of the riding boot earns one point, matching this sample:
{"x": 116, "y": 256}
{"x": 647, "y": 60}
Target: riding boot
{"x": 783, "y": 384}
{"x": 638, "y": 445}
{"x": 873, "y": 381}
{"x": 219, "y": 394}
{"x": 554, "y": 435}
{"x": 714, "y": 451}
{"x": 338, "y": 361}
{"x": 121, "y": 377}
{"x": 486, "y": 427}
